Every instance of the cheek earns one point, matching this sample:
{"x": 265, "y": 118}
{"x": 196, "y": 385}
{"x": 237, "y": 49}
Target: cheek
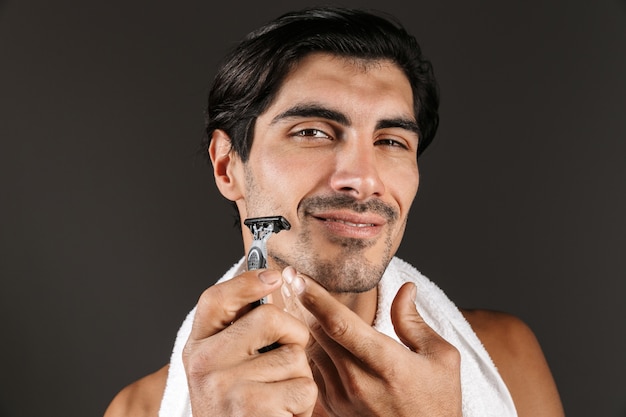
{"x": 402, "y": 186}
{"x": 293, "y": 172}
{"x": 273, "y": 187}
{"x": 278, "y": 167}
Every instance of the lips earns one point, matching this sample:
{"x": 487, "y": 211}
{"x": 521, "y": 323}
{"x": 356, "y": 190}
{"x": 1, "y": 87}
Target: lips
{"x": 350, "y": 218}
{"x": 352, "y": 225}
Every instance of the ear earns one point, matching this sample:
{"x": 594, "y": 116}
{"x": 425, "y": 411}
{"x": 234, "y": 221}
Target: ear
{"x": 227, "y": 166}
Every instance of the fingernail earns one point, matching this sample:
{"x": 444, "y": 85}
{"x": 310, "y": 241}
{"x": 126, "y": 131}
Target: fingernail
{"x": 268, "y": 277}
{"x": 298, "y": 284}
{"x": 288, "y": 274}
{"x": 285, "y": 290}
{"x": 413, "y": 292}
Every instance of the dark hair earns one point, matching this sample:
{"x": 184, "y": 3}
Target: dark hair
{"x": 250, "y": 76}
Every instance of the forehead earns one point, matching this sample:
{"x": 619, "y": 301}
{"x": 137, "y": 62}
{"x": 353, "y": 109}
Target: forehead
{"x": 345, "y": 82}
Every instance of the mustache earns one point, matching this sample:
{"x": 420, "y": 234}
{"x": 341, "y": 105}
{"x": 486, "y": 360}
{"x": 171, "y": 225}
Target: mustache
{"x": 342, "y": 201}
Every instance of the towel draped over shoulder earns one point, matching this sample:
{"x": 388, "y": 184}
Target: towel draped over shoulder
{"x": 483, "y": 390}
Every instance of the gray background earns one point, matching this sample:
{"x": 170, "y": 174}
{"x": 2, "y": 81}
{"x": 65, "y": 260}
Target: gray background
{"x": 111, "y": 227}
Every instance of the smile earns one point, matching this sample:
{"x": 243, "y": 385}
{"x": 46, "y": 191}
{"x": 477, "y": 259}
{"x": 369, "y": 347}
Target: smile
{"x": 351, "y": 225}
{"x": 347, "y": 223}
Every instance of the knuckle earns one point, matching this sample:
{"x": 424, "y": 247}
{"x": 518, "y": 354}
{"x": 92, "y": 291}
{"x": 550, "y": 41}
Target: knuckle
{"x": 199, "y": 360}
{"x": 212, "y": 300}
{"x": 298, "y": 358}
{"x": 215, "y": 382}
{"x": 292, "y": 359}
{"x": 266, "y": 317}
{"x": 337, "y": 327}
{"x": 309, "y": 390}
{"x": 195, "y": 366}
{"x": 302, "y": 395}
{"x": 291, "y": 350}
{"x": 450, "y": 356}
{"x": 267, "y": 314}
{"x": 239, "y": 398}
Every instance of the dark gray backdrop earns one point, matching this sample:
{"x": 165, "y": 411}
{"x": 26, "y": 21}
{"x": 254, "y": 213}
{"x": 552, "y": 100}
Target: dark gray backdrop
{"x": 110, "y": 227}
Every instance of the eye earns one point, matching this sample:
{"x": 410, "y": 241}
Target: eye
{"x": 313, "y": 133}
{"x": 392, "y": 143}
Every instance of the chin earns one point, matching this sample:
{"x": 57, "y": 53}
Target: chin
{"x": 341, "y": 276}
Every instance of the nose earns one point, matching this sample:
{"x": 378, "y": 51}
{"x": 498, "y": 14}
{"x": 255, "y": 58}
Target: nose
{"x": 357, "y": 172}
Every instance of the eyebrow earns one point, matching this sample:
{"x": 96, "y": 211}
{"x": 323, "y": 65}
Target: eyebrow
{"x": 406, "y": 124}
{"x": 313, "y": 110}
{"x": 316, "y": 110}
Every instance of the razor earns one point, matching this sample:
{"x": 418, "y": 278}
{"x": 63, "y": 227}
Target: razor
{"x": 262, "y": 228}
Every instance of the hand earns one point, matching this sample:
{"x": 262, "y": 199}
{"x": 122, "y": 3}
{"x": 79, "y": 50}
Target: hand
{"x": 360, "y": 371}
{"x": 226, "y": 373}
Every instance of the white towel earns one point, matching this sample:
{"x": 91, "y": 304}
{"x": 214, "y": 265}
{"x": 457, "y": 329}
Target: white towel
{"x": 484, "y": 392}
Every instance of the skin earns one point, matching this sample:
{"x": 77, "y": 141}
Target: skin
{"x": 358, "y": 157}
{"x": 308, "y": 148}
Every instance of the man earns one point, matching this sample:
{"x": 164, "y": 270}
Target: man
{"x": 319, "y": 117}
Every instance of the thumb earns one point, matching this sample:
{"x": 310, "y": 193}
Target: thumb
{"x": 409, "y": 325}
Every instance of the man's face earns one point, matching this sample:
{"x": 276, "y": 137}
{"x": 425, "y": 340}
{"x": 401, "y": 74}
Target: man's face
{"x": 335, "y": 154}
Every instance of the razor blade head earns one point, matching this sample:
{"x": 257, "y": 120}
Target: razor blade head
{"x": 262, "y": 228}
{"x": 272, "y": 224}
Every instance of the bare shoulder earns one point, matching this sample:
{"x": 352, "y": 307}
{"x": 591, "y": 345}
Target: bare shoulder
{"x": 517, "y": 354}
{"x": 142, "y": 398}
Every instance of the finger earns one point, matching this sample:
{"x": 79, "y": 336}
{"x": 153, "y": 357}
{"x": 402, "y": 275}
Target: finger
{"x": 409, "y": 325}
{"x": 266, "y": 325}
{"x": 293, "y": 397}
{"x": 300, "y": 401}
{"x": 323, "y": 370}
{"x": 341, "y": 325}
{"x": 330, "y": 358}
{"x": 221, "y": 304}
{"x": 242, "y": 340}
{"x": 283, "y": 363}
{"x": 297, "y": 396}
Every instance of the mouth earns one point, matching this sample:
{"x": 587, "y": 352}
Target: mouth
{"x": 347, "y": 223}
{"x": 350, "y": 225}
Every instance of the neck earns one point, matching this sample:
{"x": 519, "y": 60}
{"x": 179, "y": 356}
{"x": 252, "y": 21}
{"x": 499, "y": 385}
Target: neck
{"x": 363, "y": 304}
